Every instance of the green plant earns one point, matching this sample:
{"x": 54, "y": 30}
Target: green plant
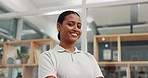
{"x": 22, "y": 54}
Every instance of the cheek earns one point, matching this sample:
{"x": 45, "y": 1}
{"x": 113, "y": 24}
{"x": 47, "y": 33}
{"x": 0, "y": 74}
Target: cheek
{"x": 67, "y": 29}
{"x": 80, "y": 32}
{"x": 64, "y": 30}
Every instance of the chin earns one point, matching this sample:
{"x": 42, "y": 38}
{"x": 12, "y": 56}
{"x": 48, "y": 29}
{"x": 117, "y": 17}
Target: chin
{"x": 74, "y": 40}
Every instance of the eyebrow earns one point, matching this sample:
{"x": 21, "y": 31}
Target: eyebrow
{"x": 74, "y": 22}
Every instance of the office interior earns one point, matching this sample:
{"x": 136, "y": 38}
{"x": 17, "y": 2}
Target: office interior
{"x": 123, "y": 23}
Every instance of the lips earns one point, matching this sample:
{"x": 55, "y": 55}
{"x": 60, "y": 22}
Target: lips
{"x": 74, "y": 34}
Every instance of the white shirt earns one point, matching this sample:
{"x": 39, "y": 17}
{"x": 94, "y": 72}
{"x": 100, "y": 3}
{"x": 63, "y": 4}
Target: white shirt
{"x": 65, "y": 64}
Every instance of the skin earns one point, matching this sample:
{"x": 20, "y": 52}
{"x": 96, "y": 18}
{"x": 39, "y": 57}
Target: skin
{"x": 70, "y": 32}
{"x": 51, "y": 77}
{"x": 55, "y": 77}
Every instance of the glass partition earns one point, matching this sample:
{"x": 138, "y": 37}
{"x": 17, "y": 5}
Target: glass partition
{"x": 8, "y": 27}
{"x": 114, "y": 71}
{"x": 134, "y": 48}
{"x": 29, "y": 31}
{"x": 139, "y": 71}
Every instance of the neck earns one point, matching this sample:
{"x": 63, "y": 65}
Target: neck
{"x": 68, "y": 46}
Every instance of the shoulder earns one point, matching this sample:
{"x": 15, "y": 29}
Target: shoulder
{"x": 88, "y": 55}
{"x": 49, "y": 53}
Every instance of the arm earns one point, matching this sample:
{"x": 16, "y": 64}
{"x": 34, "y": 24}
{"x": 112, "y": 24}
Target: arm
{"x": 47, "y": 67}
{"x": 51, "y": 77}
{"x": 97, "y": 69}
{"x": 99, "y": 77}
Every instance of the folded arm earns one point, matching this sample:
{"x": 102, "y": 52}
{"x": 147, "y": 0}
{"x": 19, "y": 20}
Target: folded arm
{"x": 50, "y": 77}
{"x": 99, "y": 77}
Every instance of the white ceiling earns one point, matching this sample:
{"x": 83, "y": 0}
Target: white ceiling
{"x": 52, "y": 3}
{"x": 101, "y": 16}
{"x": 110, "y": 15}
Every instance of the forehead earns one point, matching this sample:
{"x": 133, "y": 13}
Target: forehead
{"x": 73, "y": 17}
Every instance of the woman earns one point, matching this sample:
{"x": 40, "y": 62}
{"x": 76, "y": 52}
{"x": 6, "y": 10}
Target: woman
{"x": 65, "y": 60}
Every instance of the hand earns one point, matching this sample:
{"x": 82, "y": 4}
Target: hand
{"x": 99, "y": 77}
{"x": 50, "y": 77}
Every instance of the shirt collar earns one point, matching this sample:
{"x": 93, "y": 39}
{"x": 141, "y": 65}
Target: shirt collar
{"x": 62, "y": 50}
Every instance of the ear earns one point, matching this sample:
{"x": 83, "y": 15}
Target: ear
{"x": 58, "y": 26}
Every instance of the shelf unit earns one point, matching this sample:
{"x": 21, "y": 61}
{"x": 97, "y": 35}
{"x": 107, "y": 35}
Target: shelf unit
{"x": 126, "y": 52}
{"x": 9, "y": 67}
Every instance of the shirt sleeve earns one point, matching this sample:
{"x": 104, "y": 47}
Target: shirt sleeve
{"x": 97, "y": 69}
{"x": 46, "y": 66}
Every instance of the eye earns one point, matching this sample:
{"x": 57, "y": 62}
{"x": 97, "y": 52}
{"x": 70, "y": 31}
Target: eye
{"x": 70, "y": 24}
{"x": 79, "y": 26}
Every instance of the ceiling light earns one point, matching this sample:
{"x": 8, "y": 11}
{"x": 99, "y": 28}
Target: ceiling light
{"x": 103, "y": 39}
{"x": 106, "y": 45}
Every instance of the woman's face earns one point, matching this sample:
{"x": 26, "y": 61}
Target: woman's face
{"x": 70, "y": 29}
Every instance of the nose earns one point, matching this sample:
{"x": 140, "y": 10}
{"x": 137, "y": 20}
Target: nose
{"x": 75, "y": 27}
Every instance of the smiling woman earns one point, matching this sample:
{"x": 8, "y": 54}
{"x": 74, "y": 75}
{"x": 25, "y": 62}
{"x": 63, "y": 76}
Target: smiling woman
{"x": 70, "y": 28}
{"x": 78, "y": 64}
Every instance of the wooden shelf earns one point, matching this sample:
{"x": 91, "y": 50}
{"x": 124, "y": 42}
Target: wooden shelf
{"x": 115, "y": 43}
{"x": 33, "y": 48}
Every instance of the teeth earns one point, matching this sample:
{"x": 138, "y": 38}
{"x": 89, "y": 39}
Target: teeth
{"x": 74, "y": 34}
